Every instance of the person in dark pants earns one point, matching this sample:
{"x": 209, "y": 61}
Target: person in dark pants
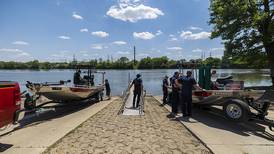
{"x": 165, "y": 90}
{"x": 175, "y": 96}
{"x": 138, "y": 87}
{"x": 187, "y": 83}
{"x": 107, "y": 86}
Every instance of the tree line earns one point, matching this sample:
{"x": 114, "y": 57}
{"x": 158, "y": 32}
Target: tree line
{"x": 145, "y": 63}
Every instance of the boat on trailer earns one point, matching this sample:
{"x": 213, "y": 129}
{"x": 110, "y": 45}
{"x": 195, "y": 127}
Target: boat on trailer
{"x": 83, "y": 88}
{"x": 63, "y": 93}
{"x": 238, "y": 104}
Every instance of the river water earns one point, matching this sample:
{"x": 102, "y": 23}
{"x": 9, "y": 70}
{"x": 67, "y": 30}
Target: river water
{"x": 119, "y": 78}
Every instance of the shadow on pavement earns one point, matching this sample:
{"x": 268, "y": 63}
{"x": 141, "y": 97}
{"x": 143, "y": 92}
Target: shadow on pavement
{"x": 214, "y": 117}
{"x": 4, "y": 147}
{"x": 32, "y": 119}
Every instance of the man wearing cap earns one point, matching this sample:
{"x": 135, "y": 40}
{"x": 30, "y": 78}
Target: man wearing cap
{"x": 165, "y": 90}
{"x": 138, "y": 87}
{"x": 187, "y": 83}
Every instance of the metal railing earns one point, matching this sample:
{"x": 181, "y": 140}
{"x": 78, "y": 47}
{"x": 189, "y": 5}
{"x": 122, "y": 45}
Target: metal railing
{"x": 125, "y": 95}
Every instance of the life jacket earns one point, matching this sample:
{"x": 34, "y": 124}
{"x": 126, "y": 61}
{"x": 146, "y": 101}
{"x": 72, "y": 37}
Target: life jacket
{"x": 137, "y": 84}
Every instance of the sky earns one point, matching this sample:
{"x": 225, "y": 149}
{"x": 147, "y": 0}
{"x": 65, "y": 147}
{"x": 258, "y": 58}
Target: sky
{"x": 55, "y": 30}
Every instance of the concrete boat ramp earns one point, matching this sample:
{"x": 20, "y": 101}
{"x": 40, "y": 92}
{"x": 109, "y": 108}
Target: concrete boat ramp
{"x": 102, "y": 128}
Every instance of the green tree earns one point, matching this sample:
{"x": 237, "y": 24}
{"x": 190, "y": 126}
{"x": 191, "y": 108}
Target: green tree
{"x": 33, "y": 64}
{"x": 246, "y": 27}
{"x": 214, "y": 62}
{"x": 145, "y": 63}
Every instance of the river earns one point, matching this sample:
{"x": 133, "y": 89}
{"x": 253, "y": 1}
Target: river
{"x": 119, "y": 78}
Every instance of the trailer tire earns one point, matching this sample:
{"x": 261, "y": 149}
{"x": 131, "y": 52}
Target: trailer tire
{"x": 236, "y": 110}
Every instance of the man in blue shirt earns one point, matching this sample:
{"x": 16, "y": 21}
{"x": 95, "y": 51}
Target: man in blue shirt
{"x": 187, "y": 83}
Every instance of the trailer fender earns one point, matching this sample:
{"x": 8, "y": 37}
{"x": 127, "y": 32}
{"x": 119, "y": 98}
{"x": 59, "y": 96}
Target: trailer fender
{"x": 236, "y": 110}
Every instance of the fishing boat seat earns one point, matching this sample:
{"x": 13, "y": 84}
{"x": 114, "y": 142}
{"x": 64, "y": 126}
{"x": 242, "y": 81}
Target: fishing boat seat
{"x": 225, "y": 79}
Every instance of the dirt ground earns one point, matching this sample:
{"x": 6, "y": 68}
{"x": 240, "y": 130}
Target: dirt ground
{"x": 108, "y": 132}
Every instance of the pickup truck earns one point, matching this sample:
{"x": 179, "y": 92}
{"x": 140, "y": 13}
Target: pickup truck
{"x": 10, "y": 101}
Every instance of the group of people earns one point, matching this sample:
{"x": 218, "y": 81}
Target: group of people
{"x": 181, "y": 86}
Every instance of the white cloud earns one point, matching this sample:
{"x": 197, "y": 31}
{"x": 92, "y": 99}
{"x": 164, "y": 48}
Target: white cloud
{"x": 143, "y": 55}
{"x": 100, "y": 34}
{"x": 173, "y": 39}
{"x": 217, "y": 49}
{"x": 10, "y": 54}
{"x": 119, "y": 43}
{"x": 123, "y": 53}
{"x": 98, "y": 46}
{"x": 188, "y": 35}
{"x": 159, "y": 32}
{"x": 61, "y": 56}
{"x": 84, "y": 30}
{"x": 77, "y": 16}
{"x": 195, "y": 28}
{"x": 20, "y": 43}
{"x": 197, "y": 50}
{"x": 175, "y": 48}
{"x": 132, "y": 12}
{"x": 8, "y": 50}
{"x": 143, "y": 35}
{"x": 64, "y": 37}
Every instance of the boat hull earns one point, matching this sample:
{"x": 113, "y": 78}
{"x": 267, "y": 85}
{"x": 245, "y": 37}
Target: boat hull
{"x": 68, "y": 94}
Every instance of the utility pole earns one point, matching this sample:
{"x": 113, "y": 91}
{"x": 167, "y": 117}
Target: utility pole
{"x": 134, "y": 58}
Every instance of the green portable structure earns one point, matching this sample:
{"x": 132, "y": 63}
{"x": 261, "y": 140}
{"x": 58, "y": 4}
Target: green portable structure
{"x": 205, "y": 77}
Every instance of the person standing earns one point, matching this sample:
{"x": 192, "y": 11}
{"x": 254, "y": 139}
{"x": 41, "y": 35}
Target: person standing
{"x": 138, "y": 87}
{"x": 165, "y": 89}
{"x": 175, "y": 95}
{"x": 107, "y": 86}
{"x": 187, "y": 83}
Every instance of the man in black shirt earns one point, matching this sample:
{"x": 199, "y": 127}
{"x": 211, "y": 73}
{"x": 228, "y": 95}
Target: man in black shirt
{"x": 138, "y": 87}
{"x": 187, "y": 83}
{"x": 165, "y": 90}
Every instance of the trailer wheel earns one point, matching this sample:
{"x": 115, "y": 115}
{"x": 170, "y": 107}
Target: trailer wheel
{"x": 97, "y": 97}
{"x": 236, "y": 110}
